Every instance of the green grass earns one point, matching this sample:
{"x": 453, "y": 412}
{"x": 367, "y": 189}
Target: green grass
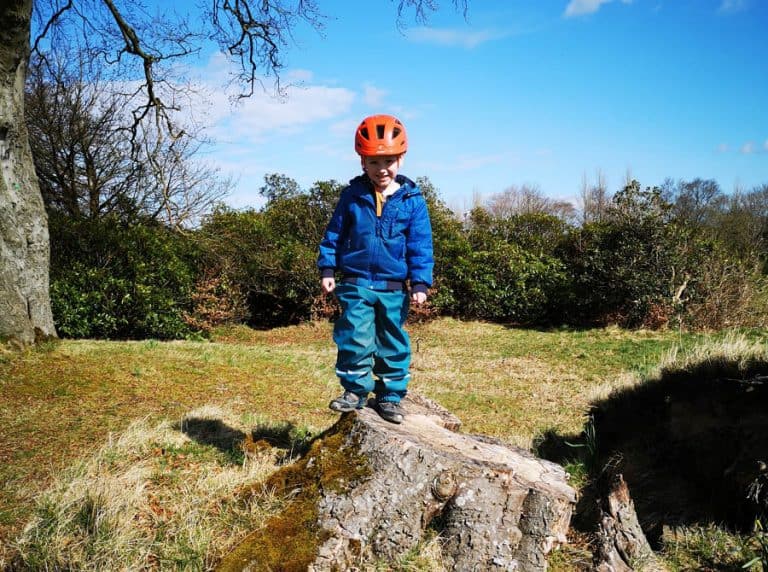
{"x": 60, "y": 403}
{"x": 709, "y": 548}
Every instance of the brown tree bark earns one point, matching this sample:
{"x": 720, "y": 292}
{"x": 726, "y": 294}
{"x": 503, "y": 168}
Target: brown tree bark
{"x": 621, "y": 543}
{"x": 368, "y": 487}
{"x": 25, "y": 307}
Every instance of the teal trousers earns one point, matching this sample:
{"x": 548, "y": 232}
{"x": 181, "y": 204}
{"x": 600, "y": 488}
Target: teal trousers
{"x": 374, "y": 351}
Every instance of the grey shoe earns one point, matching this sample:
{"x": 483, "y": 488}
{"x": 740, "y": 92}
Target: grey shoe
{"x": 390, "y": 411}
{"x": 347, "y": 402}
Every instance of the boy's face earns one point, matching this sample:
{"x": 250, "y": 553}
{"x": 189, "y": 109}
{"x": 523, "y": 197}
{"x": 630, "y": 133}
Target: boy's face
{"x": 382, "y": 169}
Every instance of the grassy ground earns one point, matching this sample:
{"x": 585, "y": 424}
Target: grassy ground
{"x": 61, "y": 402}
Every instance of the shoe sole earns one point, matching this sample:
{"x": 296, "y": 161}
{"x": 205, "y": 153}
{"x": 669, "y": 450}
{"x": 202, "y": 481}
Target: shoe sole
{"x": 340, "y": 408}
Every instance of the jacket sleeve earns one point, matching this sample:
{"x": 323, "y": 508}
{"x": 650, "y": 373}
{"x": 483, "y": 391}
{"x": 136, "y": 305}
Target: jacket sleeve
{"x": 418, "y": 248}
{"x": 327, "y": 261}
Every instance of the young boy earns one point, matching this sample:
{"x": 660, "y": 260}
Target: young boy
{"x": 380, "y": 240}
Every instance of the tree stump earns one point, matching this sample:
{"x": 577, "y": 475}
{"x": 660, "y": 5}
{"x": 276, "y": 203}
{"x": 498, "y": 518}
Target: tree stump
{"x": 621, "y": 543}
{"x": 369, "y": 487}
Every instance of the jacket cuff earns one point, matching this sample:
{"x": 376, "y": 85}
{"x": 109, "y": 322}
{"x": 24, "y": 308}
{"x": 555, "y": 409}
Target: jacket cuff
{"x": 327, "y": 273}
{"x": 419, "y": 287}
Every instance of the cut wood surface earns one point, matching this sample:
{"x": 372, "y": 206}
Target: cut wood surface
{"x": 376, "y": 487}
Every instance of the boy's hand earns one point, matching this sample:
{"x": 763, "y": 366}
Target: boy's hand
{"x": 418, "y": 298}
{"x": 328, "y": 284}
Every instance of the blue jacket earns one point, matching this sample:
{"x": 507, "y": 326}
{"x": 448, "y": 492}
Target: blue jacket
{"x": 394, "y": 247}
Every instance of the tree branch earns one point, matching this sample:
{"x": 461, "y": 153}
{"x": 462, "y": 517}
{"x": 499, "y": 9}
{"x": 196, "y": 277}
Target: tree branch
{"x": 48, "y": 25}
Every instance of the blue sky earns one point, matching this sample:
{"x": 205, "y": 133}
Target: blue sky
{"x": 540, "y": 93}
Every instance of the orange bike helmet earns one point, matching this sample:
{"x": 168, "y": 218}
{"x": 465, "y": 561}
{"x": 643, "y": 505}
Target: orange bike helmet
{"x": 380, "y": 135}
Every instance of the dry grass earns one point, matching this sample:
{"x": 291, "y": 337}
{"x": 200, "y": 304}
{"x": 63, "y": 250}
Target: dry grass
{"x": 154, "y": 498}
{"x": 62, "y": 402}
{"x": 733, "y": 349}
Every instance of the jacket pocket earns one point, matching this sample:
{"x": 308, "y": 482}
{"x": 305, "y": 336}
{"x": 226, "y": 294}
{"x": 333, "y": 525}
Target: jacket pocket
{"x": 399, "y": 223}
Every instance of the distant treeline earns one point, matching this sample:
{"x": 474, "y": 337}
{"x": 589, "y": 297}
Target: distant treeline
{"x": 139, "y": 249}
{"x": 681, "y": 255}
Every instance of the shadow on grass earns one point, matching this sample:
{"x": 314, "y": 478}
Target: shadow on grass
{"x": 289, "y": 438}
{"x": 692, "y": 445}
{"x": 212, "y": 432}
{"x": 293, "y": 440}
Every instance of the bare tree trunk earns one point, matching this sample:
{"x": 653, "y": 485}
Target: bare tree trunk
{"x": 25, "y": 306}
{"x": 370, "y": 489}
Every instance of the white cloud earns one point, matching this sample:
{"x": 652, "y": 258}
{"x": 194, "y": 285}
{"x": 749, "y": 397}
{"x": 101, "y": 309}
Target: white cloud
{"x": 373, "y": 96}
{"x": 251, "y": 119}
{"x": 733, "y": 5}
{"x": 748, "y": 148}
{"x": 582, "y": 7}
{"x": 218, "y": 70}
{"x": 261, "y": 113}
{"x": 452, "y": 36}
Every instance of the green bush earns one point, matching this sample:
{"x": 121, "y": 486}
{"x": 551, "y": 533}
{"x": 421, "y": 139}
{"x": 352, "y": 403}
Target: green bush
{"x": 111, "y": 279}
{"x": 271, "y": 254}
{"x": 505, "y": 284}
{"x": 640, "y": 265}
{"x": 617, "y": 275}
{"x": 624, "y": 269}
{"x": 450, "y": 244}
{"x": 539, "y": 233}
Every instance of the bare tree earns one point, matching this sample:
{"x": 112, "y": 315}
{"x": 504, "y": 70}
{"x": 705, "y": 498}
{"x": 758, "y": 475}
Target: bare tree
{"x": 141, "y": 48}
{"x": 595, "y": 199}
{"x": 564, "y": 210}
{"x": 86, "y": 165}
{"x": 180, "y": 187}
{"x": 742, "y": 222}
{"x": 526, "y": 200}
{"x": 697, "y": 201}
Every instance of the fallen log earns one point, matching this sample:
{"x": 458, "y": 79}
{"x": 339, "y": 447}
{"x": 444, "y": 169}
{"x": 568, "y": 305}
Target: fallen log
{"x": 369, "y": 488}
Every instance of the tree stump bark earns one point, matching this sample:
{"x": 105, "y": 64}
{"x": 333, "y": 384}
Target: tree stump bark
{"x": 621, "y": 543}
{"x": 375, "y": 487}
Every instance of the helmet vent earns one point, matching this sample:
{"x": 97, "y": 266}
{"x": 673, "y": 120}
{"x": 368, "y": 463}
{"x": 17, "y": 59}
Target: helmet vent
{"x": 380, "y": 131}
{"x": 364, "y": 132}
{"x": 395, "y": 132}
